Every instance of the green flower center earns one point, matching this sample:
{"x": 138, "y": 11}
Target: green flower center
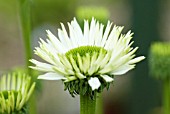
{"x": 5, "y": 93}
{"x": 10, "y": 98}
{"x": 83, "y": 50}
{"x": 81, "y": 86}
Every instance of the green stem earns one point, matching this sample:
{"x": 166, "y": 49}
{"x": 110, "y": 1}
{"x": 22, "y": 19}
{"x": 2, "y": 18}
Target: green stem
{"x": 87, "y": 105}
{"x": 99, "y": 103}
{"x": 25, "y": 20}
{"x": 33, "y": 104}
{"x": 166, "y": 96}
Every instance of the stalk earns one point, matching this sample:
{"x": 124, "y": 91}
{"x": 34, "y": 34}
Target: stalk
{"x": 99, "y": 105}
{"x": 25, "y": 21}
{"x": 87, "y": 105}
{"x": 166, "y": 96}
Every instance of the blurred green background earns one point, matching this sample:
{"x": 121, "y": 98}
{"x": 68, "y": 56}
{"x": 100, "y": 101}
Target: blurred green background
{"x": 134, "y": 93}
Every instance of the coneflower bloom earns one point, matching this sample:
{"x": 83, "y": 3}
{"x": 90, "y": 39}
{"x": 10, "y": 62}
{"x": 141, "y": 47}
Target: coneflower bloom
{"x": 86, "y": 60}
{"x": 15, "y": 91}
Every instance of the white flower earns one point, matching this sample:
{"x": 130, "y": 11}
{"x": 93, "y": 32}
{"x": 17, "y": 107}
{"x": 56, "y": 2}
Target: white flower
{"x": 96, "y": 51}
{"x": 15, "y": 91}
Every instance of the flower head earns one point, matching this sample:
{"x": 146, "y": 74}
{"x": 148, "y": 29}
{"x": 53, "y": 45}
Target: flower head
{"x": 15, "y": 91}
{"x": 86, "y": 60}
{"x": 160, "y": 60}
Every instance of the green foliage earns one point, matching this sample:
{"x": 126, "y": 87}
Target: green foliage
{"x": 159, "y": 60}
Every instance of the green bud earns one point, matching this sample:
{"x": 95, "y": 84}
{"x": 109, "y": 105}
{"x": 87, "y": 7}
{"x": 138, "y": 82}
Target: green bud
{"x": 87, "y": 12}
{"x": 15, "y": 91}
{"x": 159, "y": 61}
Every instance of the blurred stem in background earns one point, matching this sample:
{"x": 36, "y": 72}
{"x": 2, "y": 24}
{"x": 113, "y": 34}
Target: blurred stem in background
{"x": 25, "y": 20}
{"x": 159, "y": 62}
{"x": 166, "y": 96}
{"x": 145, "y": 20}
{"x": 101, "y": 14}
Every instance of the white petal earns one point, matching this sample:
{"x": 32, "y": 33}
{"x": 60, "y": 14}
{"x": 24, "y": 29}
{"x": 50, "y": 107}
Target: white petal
{"x": 120, "y": 60}
{"x": 65, "y": 61}
{"x": 51, "y": 76}
{"x": 113, "y": 37}
{"x": 78, "y": 31}
{"x": 122, "y": 70}
{"x": 100, "y": 57}
{"x": 100, "y": 35}
{"x": 65, "y": 41}
{"x": 128, "y": 37}
{"x": 65, "y": 35}
{"x": 96, "y": 35}
{"x": 52, "y": 52}
{"x": 105, "y": 59}
{"x": 106, "y": 33}
{"x": 56, "y": 43}
{"x": 41, "y": 66}
{"x": 137, "y": 59}
{"x": 92, "y": 32}
{"x": 107, "y": 78}
{"x": 94, "y": 83}
{"x": 60, "y": 71}
{"x": 43, "y": 54}
{"x": 73, "y": 38}
{"x": 86, "y": 32}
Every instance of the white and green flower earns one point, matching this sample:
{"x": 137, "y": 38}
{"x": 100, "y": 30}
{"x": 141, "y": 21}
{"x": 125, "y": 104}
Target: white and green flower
{"x": 88, "y": 57}
{"x": 15, "y": 91}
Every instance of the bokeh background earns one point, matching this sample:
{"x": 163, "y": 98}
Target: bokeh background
{"x": 133, "y": 93}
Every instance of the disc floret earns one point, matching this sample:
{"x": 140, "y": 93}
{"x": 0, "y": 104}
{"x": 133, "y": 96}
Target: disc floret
{"x": 83, "y": 50}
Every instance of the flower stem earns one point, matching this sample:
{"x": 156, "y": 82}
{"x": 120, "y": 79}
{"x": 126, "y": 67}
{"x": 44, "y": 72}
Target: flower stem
{"x": 166, "y": 96}
{"x": 99, "y": 103}
{"x": 25, "y": 20}
{"x": 87, "y": 105}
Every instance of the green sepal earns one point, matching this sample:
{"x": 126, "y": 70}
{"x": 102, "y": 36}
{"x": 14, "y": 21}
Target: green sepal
{"x": 81, "y": 86}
